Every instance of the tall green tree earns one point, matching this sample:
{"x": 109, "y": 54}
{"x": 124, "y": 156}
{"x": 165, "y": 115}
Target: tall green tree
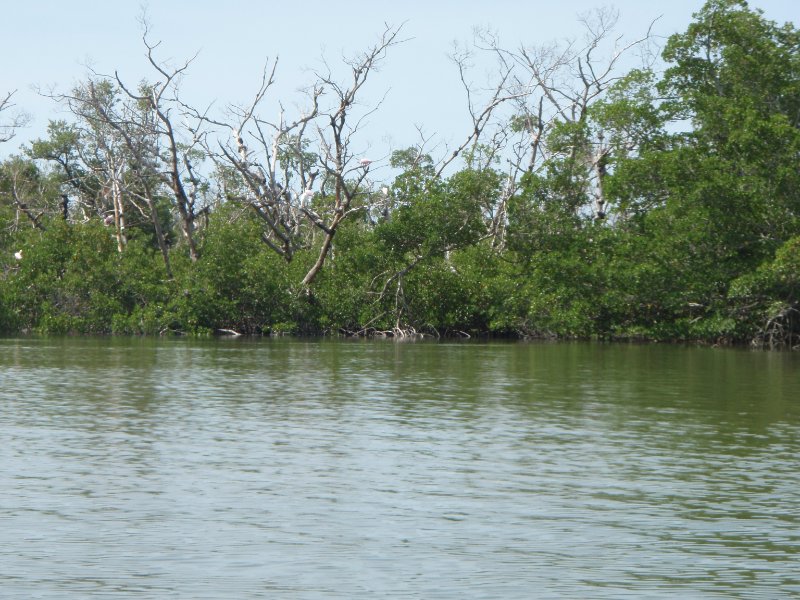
{"x": 717, "y": 190}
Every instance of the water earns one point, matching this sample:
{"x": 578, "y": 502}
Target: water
{"x": 293, "y": 469}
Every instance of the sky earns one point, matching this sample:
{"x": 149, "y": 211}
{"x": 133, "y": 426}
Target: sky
{"x": 50, "y": 44}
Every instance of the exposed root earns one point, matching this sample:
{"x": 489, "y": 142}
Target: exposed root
{"x": 782, "y": 329}
{"x": 227, "y": 332}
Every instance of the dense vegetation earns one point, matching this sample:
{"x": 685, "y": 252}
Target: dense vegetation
{"x": 651, "y": 205}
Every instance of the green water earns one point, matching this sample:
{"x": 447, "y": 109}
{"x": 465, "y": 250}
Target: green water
{"x": 292, "y": 469}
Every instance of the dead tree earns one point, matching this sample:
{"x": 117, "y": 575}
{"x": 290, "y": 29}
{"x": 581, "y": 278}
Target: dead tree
{"x": 488, "y": 135}
{"x": 265, "y": 165}
{"x": 300, "y": 176}
{"x": 558, "y": 84}
{"x": 347, "y": 174}
{"x": 120, "y": 155}
{"x": 9, "y": 127}
{"x": 483, "y": 130}
{"x": 26, "y": 190}
{"x": 534, "y": 92}
{"x": 157, "y": 103}
{"x": 129, "y": 141}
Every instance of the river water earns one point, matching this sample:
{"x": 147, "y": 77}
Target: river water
{"x": 318, "y": 469}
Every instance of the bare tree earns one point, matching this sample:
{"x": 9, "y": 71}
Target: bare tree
{"x": 28, "y": 190}
{"x": 129, "y": 142}
{"x": 9, "y": 127}
{"x": 137, "y": 131}
{"x": 535, "y": 92}
{"x": 561, "y": 82}
{"x": 157, "y": 103}
{"x": 346, "y": 174}
{"x": 488, "y": 136}
{"x": 301, "y": 176}
{"x": 483, "y": 128}
{"x": 116, "y": 153}
{"x": 266, "y": 165}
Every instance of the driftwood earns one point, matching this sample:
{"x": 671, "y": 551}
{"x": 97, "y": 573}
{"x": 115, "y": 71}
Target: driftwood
{"x": 782, "y": 329}
{"x": 227, "y": 332}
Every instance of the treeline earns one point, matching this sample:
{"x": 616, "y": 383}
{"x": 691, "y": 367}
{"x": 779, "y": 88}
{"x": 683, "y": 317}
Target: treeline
{"x": 583, "y": 202}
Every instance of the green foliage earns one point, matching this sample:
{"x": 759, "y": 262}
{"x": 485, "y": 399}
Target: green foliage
{"x": 668, "y": 209}
{"x": 443, "y": 297}
{"x": 238, "y": 284}
{"x": 437, "y": 216}
{"x": 344, "y": 298}
{"x": 411, "y": 160}
{"x": 768, "y": 298}
{"x": 30, "y": 190}
{"x": 67, "y": 280}
{"x": 706, "y": 210}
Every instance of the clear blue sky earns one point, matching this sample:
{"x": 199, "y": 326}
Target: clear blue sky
{"x": 49, "y": 43}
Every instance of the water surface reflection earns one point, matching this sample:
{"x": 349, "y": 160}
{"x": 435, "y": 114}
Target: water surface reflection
{"x": 272, "y": 468}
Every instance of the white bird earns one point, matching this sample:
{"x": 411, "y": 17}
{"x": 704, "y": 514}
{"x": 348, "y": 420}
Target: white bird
{"x": 385, "y": 191}
{"x": 365, "y": 162}
{"x": 18, "y": 254}
{"x": 307, "y": 195}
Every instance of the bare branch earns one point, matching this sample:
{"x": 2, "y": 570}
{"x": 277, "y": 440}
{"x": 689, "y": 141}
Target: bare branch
{"x": 335, "y": 138}
{"x": 500, "y": 95}
{"x": 9, "y": 129}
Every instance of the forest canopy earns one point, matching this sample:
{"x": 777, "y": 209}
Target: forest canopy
{"x": 586, "y": 199}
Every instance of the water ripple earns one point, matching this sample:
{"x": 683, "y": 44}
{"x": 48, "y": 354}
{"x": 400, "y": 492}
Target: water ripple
{"x": 321, "y": 470}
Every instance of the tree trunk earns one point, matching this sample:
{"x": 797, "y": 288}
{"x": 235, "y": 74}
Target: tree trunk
{"x": 119, "y": 214}
{"x": 162, "y": 244}
{"x": 323, "y": 253}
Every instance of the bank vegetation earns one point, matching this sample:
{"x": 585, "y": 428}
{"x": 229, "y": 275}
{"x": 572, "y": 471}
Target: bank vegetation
{"x": 585, "y": 200}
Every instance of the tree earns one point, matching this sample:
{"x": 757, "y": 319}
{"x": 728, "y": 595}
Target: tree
{"x": 116, "y": 151}
{"x": 9, "y": 127}
{"x": 126, "y": 153}
{"x": 176, "y": 159}
{"x": 267, "y": 166}
{"x": 736, "y": 76}
{"x": 302, "y": 176}
{"x": 433, "y": 218}
{"x": 33, "y": 194}
{"x": 704, "y": 180}
{"x": 345, "y": 174}
{"x": 732, "y": 181}
{"x": 77, "y": 167}
{"x": 555, "y": 89}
